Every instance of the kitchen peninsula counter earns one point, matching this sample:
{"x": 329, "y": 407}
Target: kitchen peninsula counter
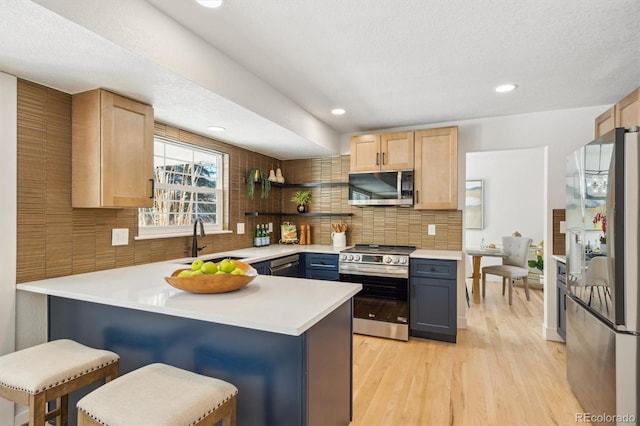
{"x": 286, "y": 343}
{"x": 274, "y": 304}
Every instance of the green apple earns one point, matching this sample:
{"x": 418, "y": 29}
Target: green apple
{"x": 196, "y": 273}
{"x": 220, "y": 273}
{"x": 237, "y": 271}
{"x": 209, "y": 268}
{"x": 196, "y": 264}
{"x": 184, "y": 273}
{"x": 227, "y": 266}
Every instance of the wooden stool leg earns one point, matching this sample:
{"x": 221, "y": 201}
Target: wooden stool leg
{"x": 37, "y": 408}
{"x": 526, "y": 287}
{"x": 64, "y": 410}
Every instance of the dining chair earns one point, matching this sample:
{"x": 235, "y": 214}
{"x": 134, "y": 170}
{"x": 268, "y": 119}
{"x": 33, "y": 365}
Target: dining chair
{"x": 597, "y": 276}
{"x": 514, "y": 265}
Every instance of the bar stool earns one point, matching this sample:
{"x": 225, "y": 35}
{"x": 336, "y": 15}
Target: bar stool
{"x": 51, "y": 371}
{"x": 159, "y": 394}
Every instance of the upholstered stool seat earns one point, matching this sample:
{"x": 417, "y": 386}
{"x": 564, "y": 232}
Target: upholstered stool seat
{"x": 159, "y": 394}
{"x": 51, "y": 371}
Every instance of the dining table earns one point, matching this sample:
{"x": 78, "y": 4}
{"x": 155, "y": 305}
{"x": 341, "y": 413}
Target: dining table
{"x": 477, "y": 254}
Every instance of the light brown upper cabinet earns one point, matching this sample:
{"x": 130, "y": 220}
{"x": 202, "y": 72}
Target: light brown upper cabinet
{"x": 387, "y": 151}
{"x": 628, "y": 110}
{"x": 112, "y": 151}
{"x": 436, "y": 169}
{"x": 605, "y": 122}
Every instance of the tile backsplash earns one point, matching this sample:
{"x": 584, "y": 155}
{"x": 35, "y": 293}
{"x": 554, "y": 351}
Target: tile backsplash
{"x": 375, "y": 225}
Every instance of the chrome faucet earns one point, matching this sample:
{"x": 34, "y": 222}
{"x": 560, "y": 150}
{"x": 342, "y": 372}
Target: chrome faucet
{"x": 194, "y": 247}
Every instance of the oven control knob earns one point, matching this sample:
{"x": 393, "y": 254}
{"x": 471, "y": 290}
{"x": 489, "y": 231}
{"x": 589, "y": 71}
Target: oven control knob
{"x": 403, "y": 260}
{"x": 387, "y": 259}
{"x": 350, "y": 257}
{"x": 395, "y": 259}
{"x": 343, "y": 257}
{"x": 356, "y": 257}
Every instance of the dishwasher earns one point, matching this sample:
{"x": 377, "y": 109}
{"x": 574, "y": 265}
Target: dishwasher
{"x": 287, "y": 266}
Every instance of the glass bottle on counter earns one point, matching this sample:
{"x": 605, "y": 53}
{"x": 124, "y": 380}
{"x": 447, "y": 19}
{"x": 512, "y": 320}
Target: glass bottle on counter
{"x": 263, "y": 235}
{"x": 256, "y": 237}
{"x": 267, "y": 237}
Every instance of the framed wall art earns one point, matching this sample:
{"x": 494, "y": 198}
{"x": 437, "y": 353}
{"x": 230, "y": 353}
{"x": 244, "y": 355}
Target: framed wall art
{"x": 474, "y": 204}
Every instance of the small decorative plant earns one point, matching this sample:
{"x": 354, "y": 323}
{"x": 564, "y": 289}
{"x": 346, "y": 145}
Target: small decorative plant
{"x": 301, "y": 198}
{"x": 539, "y": 262}
{"x": 254, "y": 176}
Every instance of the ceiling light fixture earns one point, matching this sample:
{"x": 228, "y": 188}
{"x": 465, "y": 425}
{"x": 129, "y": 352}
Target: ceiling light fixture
{"x": 216, "y": 128}
{"x": 504, "y": 88}
{"x": 338, "y": 111}
{"x": 211, "y": 3}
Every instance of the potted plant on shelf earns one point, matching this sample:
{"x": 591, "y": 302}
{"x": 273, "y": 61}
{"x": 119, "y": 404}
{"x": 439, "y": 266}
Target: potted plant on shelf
{"x": 255, "y": 175}
{"x": 301, "y": 198}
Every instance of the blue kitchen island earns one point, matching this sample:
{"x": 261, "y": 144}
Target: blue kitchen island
{"x": 286, "y": 343}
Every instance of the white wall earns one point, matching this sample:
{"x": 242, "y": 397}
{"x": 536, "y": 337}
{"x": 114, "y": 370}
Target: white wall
{"x": 8, "y": 190}
{"x": 513, "y": 195}
{"x": 559, "y": 132}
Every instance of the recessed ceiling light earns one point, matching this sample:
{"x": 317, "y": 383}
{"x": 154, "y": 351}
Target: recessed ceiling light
{"x": 504, "y": 88}
{"x": 211, "y": 3}
{"x": 216, "y": 128}
{"x": 338, "y": 111}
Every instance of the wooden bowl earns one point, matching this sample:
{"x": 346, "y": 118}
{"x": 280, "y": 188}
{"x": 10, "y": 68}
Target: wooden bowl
{"x": 221, "y": 283}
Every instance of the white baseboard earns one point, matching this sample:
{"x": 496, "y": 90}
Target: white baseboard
{"x": 462, "y": 322}
{"x": 551, "y": 334}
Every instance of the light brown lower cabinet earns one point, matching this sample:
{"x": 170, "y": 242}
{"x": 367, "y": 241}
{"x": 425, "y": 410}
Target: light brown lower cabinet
{"x": 436, "y": 169}
{"x": 112, "y": 151}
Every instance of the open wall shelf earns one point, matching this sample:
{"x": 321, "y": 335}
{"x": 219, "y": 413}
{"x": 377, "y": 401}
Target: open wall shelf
{"x": 296, "y": 214}
{"x": 307, "y": 184}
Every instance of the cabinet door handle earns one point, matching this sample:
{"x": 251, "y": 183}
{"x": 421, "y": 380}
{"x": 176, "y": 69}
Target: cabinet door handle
{"x": 417, "y": 196}
{"x": 383, "y": 163}
{"x": 377, "y": 158}
{"x": 153, "y": 188}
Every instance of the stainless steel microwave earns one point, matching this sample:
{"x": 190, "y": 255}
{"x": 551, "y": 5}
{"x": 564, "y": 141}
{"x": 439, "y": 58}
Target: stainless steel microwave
{"x": 381, "y": 188}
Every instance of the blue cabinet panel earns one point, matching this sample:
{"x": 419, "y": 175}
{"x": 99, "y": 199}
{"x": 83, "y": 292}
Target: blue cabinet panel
{"x": 433, "y": 299}
{"x": 262, "y": 267}
{"x": 321, "y": 266}
{"x": 433, "y": 268}
{"x": 281, "y": 379}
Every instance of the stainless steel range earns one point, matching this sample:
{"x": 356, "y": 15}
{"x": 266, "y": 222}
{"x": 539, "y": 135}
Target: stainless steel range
{"x": 382, "y": 307}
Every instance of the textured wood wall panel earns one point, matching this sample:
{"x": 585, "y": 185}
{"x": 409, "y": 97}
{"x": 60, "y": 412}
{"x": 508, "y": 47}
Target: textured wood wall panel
{"x": 558, "y": 237}
{"x": 55, "y": 239}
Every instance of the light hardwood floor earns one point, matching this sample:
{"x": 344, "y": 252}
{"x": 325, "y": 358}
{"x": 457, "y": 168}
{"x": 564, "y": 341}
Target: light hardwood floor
{"x": 501, "y": 372}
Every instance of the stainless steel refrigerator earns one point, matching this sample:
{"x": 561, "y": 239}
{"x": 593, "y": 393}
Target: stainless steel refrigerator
{"x": 603, "y": 323}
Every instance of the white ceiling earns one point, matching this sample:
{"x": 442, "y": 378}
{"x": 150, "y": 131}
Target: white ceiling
{"x": 270, "y": 71}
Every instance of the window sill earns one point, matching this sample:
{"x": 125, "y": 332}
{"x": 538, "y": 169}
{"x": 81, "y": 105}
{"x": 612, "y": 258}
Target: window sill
{"x": 173, "y": 235}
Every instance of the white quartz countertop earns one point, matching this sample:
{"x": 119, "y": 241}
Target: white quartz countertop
{"x": 258, "y": 254}
{"x": 560, "y": 257}
{"x": 437, "y": 254}
{"x": 269, "y": 303}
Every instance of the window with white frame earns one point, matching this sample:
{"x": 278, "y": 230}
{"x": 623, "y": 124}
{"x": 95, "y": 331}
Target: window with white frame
{"x": 188, "y": 185}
